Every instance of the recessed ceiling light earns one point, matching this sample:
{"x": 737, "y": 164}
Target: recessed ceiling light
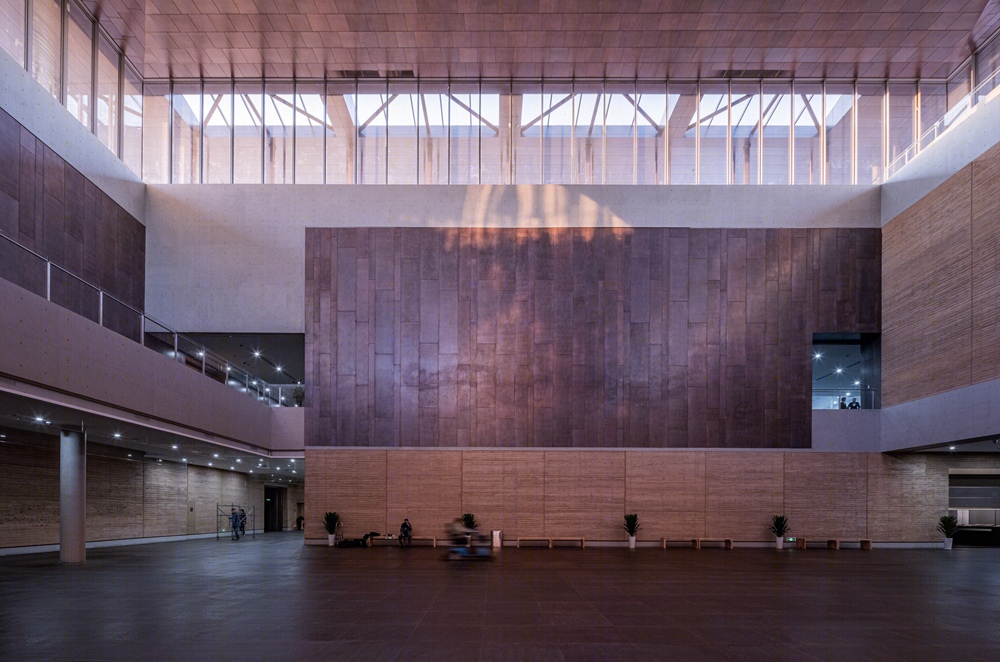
{"x": 39, "y": 419}
{"x": 857, "y": 383}
{"x": 117, "y": 435}
{"x": 951, "y": 448}
{"x": 293, "y": 459}
{"x": 817, "y": 355}
{"x": 278, "y": 369}
{"x": 238, "y": 460}
{"x": 251, "y": 471}
{"x": 174, "y": 446}
{"x": 840, "y": 370}
{"x": 184, "y": 459}
{"x": 159, "y": 460}
{"x": 215, "y": 455}
{"x": 231, "y": 468}
{"x": 130, "y": 455}
{"x": 209, "y": 464}
{"x": 256, "y": 354}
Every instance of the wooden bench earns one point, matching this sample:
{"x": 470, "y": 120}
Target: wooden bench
{"x": 696, "y": 542}
{"x": 831, "y": 543}
{"x": 582, "y": 541}
{"x": 395, "y": 540}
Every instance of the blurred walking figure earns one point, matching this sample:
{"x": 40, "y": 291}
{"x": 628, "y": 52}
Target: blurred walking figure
{"x": 243, "y": 522}
{"x": 234, "y": 524}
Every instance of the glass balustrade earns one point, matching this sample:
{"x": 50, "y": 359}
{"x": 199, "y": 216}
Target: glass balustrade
{"x": 25, "y": 268}
{"x": 962, "y": 108}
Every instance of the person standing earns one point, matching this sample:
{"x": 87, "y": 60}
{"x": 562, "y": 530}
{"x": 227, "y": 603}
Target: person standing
{"x": 243, "y": 522}
{"x": 234, "y": 524}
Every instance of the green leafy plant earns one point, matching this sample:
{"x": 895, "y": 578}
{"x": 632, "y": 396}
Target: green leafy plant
{"x": 331, "y": 521}
{"x": 469, "y": 521}
{"x": 632, "y": 524}
{"x": 779, "y": 526}
{"x": 947, "y": 525}
{"x": 298, "y": 395}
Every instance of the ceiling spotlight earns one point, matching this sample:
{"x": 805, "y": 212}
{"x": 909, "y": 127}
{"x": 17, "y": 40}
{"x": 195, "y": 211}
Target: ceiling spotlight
{"x": 227, "y": 368}
{"x": 3, "y": 436}
{"x": 174, "y": 446}
{"x": 184, "y": 459}
{"x": 48, "y": 422}
{"x": 39, "y": 419}
{"x": 201, "y": 353}
{"x": 231, "y": 468}
{"x": 215, "y": 455}
{"x": 256, "y": 354}
{"x": 117, "y": 435}
{"x": 209, "y": 464}
{"x": 130, "y": 455}
{"x": 857, "y": 383}
{"x": 251, "y": 471}
{"x": 293, "y": 470}
{"x": 238, "y": 460}
{"x": 278, "y": 369}
{"x": 817, "y": 355}
{"x": 951, "y": 448}
{"x": 159, "y": 460}
{"x": 293, "y": 459}
{"x": 267, "y": 390}
{"x": 840, "y": 370}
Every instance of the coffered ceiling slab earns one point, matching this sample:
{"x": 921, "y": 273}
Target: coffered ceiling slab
{"x": 551, "y": 38}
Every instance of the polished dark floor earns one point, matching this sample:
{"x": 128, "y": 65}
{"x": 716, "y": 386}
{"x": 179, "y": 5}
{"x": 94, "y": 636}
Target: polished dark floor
{"x": 273, "y": 599}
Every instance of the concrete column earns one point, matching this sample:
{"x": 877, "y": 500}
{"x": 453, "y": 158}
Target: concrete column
{"x": 72, "y": 496}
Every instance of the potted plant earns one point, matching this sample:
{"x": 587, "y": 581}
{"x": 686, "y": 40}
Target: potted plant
{"x": 298, "y": 395}
{"x": 469, "y": 521}
{"x": 779, "y": 527}
{"x": 947, "y": 525}
{"x": 632, "y": 526}
{"x": 331, "y": 521}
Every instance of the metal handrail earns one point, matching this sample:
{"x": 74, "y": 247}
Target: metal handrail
{"x": 252, "y": 386}
{"x": 938, "y": 129}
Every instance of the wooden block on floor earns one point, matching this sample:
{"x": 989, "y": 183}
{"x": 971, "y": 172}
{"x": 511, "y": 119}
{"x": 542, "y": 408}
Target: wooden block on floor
{"x": 866, "y": 544}
{"x": 800, "y": 543}
{"x": 696, "y": 543}
{"x": 833, "y": 544}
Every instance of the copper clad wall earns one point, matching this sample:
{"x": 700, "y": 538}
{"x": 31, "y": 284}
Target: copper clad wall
{"x": 645, "y": 337}
{"x": 48, "y": 206}
{"x": 941, "y": 270}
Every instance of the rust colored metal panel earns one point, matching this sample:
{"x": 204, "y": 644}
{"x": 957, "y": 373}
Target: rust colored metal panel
{"x": 597, "y": 338}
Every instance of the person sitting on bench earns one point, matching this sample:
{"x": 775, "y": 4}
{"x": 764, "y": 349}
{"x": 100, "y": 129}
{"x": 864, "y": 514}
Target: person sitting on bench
{"x": 405, "y": 532}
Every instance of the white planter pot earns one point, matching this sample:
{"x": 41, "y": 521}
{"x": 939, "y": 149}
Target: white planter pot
{"x": 631, "y": 542}
{"x": 779, "y": 542}
{"x": 331, "y": 540}
{"x": 947, "y": 543}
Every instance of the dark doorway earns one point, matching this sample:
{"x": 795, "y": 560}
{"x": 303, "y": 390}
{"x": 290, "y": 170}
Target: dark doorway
{"x": 274, "y": 508}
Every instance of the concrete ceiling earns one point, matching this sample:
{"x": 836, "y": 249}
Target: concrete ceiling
{"x": 44, "y": 418}
{"x": 551, "y": 38}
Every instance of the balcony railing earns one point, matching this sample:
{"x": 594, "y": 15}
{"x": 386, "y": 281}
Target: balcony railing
{"x": 37, "y": 274}
{"x": 958, "y": 113}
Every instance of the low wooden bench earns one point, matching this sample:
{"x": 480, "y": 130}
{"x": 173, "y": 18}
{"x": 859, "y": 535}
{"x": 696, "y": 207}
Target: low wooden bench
{"x": 831, "y": 543}
{"x": 696, "y": 542}
{"x": 395, "y": 540}
{"x": 582, "y": 541}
